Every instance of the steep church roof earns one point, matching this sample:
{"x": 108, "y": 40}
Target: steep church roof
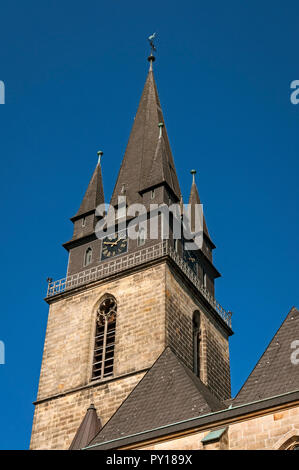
{"x": 275, "y": 372}
{"x": 168, "y": 393}
{"x": 148, "y": 159}
{"x": 94, "y": 194}
{"x": 87, "y": 430}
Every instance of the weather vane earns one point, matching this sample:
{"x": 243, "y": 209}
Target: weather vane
{"x": 151, "y": 39}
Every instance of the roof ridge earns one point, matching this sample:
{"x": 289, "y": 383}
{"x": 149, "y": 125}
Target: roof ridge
{"x": 201, "y": 386}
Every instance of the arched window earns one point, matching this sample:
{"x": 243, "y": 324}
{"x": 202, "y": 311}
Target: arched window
{"x": 289, "y": 441}
{"x": 141, "y": 237}
{"x": 105, "y": 339}
{"x": 88, "y": 257}
{"x": 196, "y": 343}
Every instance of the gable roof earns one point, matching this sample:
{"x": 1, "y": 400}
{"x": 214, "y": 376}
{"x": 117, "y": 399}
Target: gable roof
{"x": 87, "y": 430}
{"x": 168, "y": 393}
{"x": 146, "y": 162}
{"x": 275, "y": 373}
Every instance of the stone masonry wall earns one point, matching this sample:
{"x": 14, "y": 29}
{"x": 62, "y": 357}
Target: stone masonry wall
{"x": 215, "y": 350}
{"x": 214, "y": 354}
{"x": 266, "y": 432}
{"x": 276, "y": 431}
{"x": 68, "y": 351}
{"x": 56, "y": 421}
{"x": 154, "y": 310}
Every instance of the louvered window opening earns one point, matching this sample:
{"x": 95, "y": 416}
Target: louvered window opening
{"x": 104, "y": 340}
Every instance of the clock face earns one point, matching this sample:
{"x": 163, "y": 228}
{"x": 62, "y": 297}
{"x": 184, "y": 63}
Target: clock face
{"x": 190, "y": 258}
{"x": 114, "y": 245}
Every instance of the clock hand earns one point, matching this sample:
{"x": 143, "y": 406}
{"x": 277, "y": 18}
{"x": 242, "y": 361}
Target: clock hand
{"x": 119, "y": 240}
{"x": 111, "y": 243}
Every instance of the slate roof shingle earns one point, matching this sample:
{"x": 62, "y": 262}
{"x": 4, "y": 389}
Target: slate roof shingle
{"x": 168, "y": 393}
{"x": 274, "y": 374}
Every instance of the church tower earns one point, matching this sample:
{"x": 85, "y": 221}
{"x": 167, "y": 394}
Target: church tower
{"x": 124, "y": 301}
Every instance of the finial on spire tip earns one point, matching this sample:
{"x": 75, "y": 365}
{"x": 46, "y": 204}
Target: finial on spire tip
{"x": 193, "y": 173}
{"x": 152, "y": 58}
{"x": 100, "y": 154}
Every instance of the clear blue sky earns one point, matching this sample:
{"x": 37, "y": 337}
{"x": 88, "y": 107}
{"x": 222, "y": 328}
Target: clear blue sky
{"x": 74, "y": 72}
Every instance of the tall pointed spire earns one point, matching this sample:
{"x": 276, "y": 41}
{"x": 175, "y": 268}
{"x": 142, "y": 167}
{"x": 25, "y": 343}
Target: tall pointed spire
{"x": 194, "y": 199}
{"x": 88, "y": 429}
{"x": 148, "y": 159}
{"x": 94, "y": 194}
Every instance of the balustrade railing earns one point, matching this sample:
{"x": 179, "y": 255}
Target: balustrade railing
{"x": 125, "y": 262}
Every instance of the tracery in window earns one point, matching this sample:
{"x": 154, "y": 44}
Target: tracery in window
{"x": 288, "y": 442}
{"x": 104, "y": 339}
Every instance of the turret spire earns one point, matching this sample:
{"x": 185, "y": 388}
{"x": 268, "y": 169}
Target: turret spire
{"x": 194, "y": 199}
{"x": 95, "y": 193}
{"x": 88, "y": 429}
